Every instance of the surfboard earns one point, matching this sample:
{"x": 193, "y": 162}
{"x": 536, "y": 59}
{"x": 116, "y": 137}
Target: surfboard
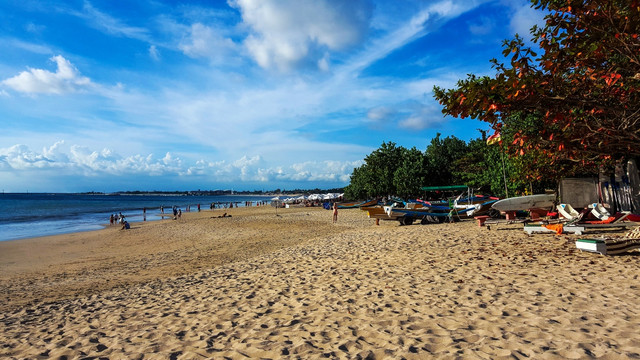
{"x": 540, "y": 201}
{"x": 634, "y": 183}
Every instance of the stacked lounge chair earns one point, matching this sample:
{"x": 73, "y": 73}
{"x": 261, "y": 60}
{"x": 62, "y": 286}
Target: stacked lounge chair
{"x": 568, "y": 212}
{"x": 611, "y": 246}
{"x": 599, "y": 211}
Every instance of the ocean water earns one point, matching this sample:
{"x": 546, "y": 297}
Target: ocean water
{"x": 32, "y": 215}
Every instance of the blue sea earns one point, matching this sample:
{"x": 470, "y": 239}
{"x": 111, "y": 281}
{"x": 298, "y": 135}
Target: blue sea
{"x": 31, "y": 215}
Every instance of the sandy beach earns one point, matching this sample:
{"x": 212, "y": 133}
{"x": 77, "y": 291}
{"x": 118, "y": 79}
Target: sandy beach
{"x": 257, "y": 285}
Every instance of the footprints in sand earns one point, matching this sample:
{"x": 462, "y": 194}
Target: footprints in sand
{"x": 369, "y": 293}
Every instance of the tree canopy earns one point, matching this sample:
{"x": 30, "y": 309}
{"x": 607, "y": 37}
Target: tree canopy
{"x": 393, "y": 170}
{"x": 575, "y": 105}
{"x": 566, "y": 112}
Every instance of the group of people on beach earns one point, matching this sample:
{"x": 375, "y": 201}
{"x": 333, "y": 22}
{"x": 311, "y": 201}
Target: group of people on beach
{"x": 116, "y": 219}
{"x": 257, "y": 203}
{"x": 120, "y": 219}
{"x": 177, "y": 213}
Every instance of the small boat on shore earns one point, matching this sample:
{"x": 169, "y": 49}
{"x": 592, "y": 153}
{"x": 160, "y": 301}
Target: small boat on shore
{"x": 433, "y": 214}
{"x": 377, "y": 212}
{"x": 357, "y": 204}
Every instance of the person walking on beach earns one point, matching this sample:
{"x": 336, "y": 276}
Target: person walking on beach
{"x": 335, "y": 213}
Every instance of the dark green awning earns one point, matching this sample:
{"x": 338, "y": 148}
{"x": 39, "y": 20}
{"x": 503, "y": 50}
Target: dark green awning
{"x": 445, "y": 188}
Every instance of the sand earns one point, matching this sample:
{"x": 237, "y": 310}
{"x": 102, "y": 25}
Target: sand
{"x": 297, "y": 286}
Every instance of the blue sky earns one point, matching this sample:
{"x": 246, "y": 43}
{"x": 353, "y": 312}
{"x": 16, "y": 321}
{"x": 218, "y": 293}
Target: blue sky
{"x": 108, "y": 95}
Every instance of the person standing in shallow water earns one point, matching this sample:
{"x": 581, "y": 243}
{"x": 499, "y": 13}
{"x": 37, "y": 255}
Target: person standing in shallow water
{"x": 335, "y": 212}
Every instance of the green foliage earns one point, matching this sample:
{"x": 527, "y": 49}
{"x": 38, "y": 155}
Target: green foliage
{"x": 410, "y": 175}
{"x": 395, "y": 171}
{"x": 442, "y": 155}
{"x": 575, "y": 106}
{"x": 376, "y": 176}
{"x": 486, "y": 167}
{"x": 474, "y": 167}
{"x": 383, "y": 164}
{"x": 358, "y": 188}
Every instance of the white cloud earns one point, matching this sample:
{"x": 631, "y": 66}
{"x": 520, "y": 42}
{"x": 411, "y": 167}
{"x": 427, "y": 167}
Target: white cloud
{"x": 381, "y": 114}
{"x": 55, "y": 153}
{"x": 444, "y": 8}
{"x": 92, "y": 163}
{"x": 451, "y": 8}
{"x": 19, "y": 157}
{"x": 110, "y": 24}
{"x": 254, "y": 170}
{"x": 421, "y": 116}
{"x": 523, "y": 19}
{"x": 329, "y": 171}
{"x": 208, "y": 42}
{"x": 34, "y": 28}
{"x": 415, "y": 122}
{"x": 422, "y": 20}
{"x": 66, "y": 79}
{"x": 290, "y": 33}
{"x": 27, "y": 46}
{"x": 482, "y": 26}
{"x": 4, "y": 163}
{"x": 154, "y": 53}
{"x": 323, "y": 64}
{"x": 269, "y": 128}
{"x": 82, "y": 160}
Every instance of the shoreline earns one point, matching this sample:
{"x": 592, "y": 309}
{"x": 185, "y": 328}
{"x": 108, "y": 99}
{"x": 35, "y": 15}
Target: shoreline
{"x": 153, "y": 214}
{"x": 36, "y": 215}
{"x": 62, "y": 256}
{"x": 258, "y": 285}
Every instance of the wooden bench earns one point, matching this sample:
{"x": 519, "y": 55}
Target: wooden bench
{"x": 481, "y": 219}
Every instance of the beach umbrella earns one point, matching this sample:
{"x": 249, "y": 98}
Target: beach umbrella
{"x": 276, "y": 203}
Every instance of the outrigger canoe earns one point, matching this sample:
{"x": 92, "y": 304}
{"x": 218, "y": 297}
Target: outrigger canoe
{"x": 352, "y": 205}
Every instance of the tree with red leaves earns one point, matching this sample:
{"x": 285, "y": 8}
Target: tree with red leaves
{"x": 575, "y": 105}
